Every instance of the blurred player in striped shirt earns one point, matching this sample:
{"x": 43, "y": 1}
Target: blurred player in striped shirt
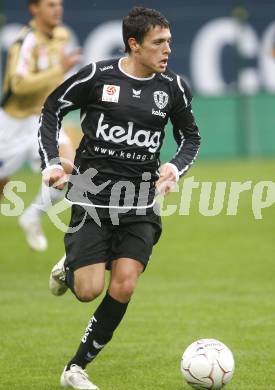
{"x": 36, "y": 65}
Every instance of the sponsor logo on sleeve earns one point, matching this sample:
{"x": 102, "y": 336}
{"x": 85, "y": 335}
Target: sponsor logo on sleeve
{"x": 110, "y": 93}
{"x": 106, "y": 68}
{"x": 166, "y": 77}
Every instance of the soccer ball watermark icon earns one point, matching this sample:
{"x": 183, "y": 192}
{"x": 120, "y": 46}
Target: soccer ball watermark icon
{"x": 207, "y": 364}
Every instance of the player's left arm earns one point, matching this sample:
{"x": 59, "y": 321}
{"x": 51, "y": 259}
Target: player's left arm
{"x": 187, "y": 137}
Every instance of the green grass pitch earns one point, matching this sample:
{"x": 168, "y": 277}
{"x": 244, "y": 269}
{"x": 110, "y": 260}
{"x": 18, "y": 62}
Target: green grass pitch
{"x": 208, "y": 277}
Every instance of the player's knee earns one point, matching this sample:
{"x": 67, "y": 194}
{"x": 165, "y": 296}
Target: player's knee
{"x": 127, "y": 288}
{"x": 123, "y": 289}
{"x": 87, "y": 293}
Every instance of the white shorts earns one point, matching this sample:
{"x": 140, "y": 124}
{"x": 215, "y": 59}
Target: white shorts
{"x": 19, "y": 143}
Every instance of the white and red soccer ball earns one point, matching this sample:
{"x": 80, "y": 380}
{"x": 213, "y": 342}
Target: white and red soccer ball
{"x": 207, "y": 364}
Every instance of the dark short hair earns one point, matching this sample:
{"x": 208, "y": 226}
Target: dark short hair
{"x": 138, "y": 22}
{"x": 31, "y": 2}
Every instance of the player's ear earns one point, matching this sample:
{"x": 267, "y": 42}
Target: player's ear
{"x": 33, "y": 9}
{"x": 134, "y": 45}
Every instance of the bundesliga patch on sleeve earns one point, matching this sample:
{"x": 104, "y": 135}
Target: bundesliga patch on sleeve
{"x": 110, "y": 93}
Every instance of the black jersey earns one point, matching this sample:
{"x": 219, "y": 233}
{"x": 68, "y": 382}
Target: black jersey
{"x": 123, "y": 120}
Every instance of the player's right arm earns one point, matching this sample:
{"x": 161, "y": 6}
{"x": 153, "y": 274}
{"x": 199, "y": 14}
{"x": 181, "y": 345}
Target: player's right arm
{"x": 71, "y": 95}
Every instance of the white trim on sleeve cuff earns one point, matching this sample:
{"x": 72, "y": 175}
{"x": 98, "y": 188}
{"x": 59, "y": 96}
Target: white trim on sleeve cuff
{"x": 54, "y": 166}
{"x": 173, "y": 166}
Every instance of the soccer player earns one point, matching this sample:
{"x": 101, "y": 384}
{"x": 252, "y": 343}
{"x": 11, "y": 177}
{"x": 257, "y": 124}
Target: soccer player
{"x": 37, "y": 63}
{"x": 124, "y": 106}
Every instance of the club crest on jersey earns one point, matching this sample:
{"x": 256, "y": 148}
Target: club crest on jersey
{"x": 110, "y": 93}
{"x": 161, "y": 99}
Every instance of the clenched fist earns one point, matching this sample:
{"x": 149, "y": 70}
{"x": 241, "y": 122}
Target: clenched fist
{"x": 55, "y": 176}
{"x": 168, "y": 178}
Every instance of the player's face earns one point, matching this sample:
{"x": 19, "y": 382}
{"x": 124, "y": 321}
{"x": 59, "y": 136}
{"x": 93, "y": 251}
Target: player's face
{"x": 48, "y": 12}
{"x": 155, "y": 49}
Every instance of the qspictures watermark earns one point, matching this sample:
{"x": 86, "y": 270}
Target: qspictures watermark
{"x": 208, "y": 197}
{"x": 215, "y": 197}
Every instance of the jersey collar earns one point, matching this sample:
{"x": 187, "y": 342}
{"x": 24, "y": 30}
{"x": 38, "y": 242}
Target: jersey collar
{"x": 133, "y": 77}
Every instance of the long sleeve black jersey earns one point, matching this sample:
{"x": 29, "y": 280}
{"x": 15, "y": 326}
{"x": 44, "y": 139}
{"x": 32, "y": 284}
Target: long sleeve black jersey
{"x": 123, "y": 120}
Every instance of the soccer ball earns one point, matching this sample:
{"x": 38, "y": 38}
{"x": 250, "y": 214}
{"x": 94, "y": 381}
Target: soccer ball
{"x": 207, "y": 364}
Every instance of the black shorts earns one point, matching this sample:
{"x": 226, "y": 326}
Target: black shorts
{"x": 134, "y": 237}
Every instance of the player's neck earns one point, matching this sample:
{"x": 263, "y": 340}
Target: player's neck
{"x": 44, "y": 28}
{"x": 135, "y": 69}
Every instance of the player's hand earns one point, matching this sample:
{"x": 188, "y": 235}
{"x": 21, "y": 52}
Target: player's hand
{"x": 69, "y": 60}
{"x": 167, "y": 179}
{"x": 55, "y": 177}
